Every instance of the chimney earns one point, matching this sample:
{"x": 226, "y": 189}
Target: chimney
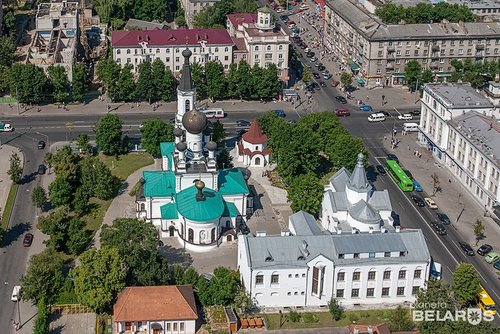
{"x": 199, "y": 184}
{"x": 285, "y": 233}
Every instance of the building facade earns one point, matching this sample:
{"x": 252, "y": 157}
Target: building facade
{"x": 461, "y": 128}
{"x": 193, "y": 7}
{"x": 252, "y": 149}
{"x": 378, "y": 52}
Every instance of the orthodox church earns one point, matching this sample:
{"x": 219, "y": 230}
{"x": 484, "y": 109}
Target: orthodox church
{"x": 191, "y": 199}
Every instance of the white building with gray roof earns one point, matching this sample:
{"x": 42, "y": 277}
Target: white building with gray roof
{"x": 461, "y": 128}
{"x": 350, "y": 203}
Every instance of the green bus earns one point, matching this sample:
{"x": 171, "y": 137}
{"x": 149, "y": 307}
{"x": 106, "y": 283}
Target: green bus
{"x": 399, "y": 176}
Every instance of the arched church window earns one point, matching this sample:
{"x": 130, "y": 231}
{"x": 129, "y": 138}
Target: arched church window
{"x": 257, "y": 161}
{"x": 190, "y": 235}
{"x": 212, "y": 237}
{"x": 143, "y": 207}
{"x": 188, "y": 105}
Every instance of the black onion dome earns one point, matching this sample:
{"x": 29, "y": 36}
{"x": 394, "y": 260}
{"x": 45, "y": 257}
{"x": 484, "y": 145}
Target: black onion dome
{"x": 181, "y": 146}
{"x": 186, "y": 53}
{"x": 211, "y": 146}
{"x": 194, "y": 121}
{"x": 177, "y": 132}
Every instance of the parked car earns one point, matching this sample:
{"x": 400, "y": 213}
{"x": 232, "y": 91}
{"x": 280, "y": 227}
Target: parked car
{"x": 497, "y": 265}
{"x": 391, "y": 156}
{"x": 242, "y": 122}
{"x": 327, "y": 76}
{"x": 418, "y": 200}
{"x": 342, "y": 112}
{"x": 307, "y": 50}
{"x": 27, "y": 240}
{"x": 443, "y": 218}
{"x": 492, "y": 257}
{"x": 416, "y": 186}
{"x": 335, "y": 83}
{"x": 316, "y": 75}
{"x": 41, "y": 169}
{"x": 415, "y": 112}
{"x": 16, "y": 293}
{"x": 438, "y": 227}
{"x": 430, "y": 203}
{"x": 279, "y": 113}
{"x": 350, "y": 89}
{"x": 380, "y": 169}
{"x": 384, "y": 112}
{"x": 41, "y": 145}
{"x": 284, "y": 18}
{"x": 318, "y": 65}
{"x": 322, "y": 84}
{"x": 313, "y": 59}
{"x": 405, "y": 117}
{"x": 341, "y": 99}
{"x": 484, "y": 249}
{"x": 466, "y": 248}
{"x": 309, "y": 54}
{"x": 366, "y": 108}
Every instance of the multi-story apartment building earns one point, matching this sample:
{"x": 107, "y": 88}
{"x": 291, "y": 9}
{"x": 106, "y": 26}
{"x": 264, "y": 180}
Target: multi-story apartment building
{"x": 193, "y": 7}
{"x": 461, "y": 128}
{"x": 56, "y": 36}
{"x": 378, "y": 52}
{"x": 134, "y": 47}
{"x": 258, "y": 40}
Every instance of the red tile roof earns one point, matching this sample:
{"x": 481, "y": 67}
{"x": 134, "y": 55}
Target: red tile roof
{"x": 171, "y": 37}
{"x": 165, "y": 302}
{"x": 238, "y": 19}
{"x": 240, "y": 44}
{"x": 254, "y": 135}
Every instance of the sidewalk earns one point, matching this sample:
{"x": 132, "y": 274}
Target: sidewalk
{"x": 454, "y": 199}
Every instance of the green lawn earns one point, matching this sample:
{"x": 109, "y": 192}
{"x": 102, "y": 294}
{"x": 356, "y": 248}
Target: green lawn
{"x": 324, "y": 319}
{"x": 126, "y": 164}
{"x": 94, "y": 218}
{"x": 9, "y": 205}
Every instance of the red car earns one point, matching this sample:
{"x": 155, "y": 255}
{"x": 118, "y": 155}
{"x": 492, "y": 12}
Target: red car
{"x": 298, "y": 10}
{"x": 28, "y": 239}
{"x": 335, "y": 83}
{"x": 293, "y": 3}
{"x": 342, "y": 112}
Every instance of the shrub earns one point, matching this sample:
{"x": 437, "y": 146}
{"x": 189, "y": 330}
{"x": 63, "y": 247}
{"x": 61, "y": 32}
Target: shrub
{"x": 353, "y": 317}
{"x": 293, "y": 316}
{"x": 335, "y": 309}
{"x": 309, "y": 318}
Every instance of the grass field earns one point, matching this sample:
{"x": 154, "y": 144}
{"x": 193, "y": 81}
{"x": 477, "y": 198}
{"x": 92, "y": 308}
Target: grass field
{"x": 126, "y": 164}
{"x": 324, "y": 319}
{"x": 9, "y": 205}
{"x": 96, "y": 215}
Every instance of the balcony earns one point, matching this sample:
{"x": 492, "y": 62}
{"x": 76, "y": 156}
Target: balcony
{"x": 389, "y": 65}
{"x": 391, "y": 49}
{"x": 433, "y": 65}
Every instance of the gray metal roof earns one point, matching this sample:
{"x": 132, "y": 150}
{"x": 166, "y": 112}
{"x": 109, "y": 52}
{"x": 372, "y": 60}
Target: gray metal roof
{"x": 338, "y": 200}
{"x": 358, "y": 180}
{"x": 458, "y": 95}
{"x": 363, "y": 212}
{"x": 380, "y": 200}
{"x": 135, "y": 24}
{"x": 186, "y": 82}
{"x": 340, "y": 179}
{"x": 304, "y": 224}
{"x": 286, "y": 251}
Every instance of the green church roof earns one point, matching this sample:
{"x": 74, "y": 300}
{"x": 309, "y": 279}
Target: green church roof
{"x": 200, "y": 211}
{"x": 167, "y": 148}
{"x": 169, "y": 211}
{"x": 158, "y": 183}
{"x": 230, "y": 210}
{"x": 232, "y": 182}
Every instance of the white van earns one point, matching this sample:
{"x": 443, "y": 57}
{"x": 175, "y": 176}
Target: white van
{"x": 410, "y": 127}
{"x": 15, "y": 293}
{"x": 378, "y": 117}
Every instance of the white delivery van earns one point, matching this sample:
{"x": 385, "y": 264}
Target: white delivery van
{"x": 15, "y": 293}
{"x": 377, "y": 117}
{"x": 410, "y": 127}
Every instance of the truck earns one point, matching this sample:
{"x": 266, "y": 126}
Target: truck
{"x": 5, "y": 127}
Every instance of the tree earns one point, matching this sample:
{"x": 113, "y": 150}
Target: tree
{"x": 7, "y": 51}
{"x": 96, "y": 178}
{"x": 108, "y": 70}
{"x": 4, "y": 79}
{"x": 435, "y": 183}
{"x": 60, "y": 191}
{"x": 221, "y": 289}
{"x": 413, "y": 72}
{"x": 244, "y": 87}
{"x": 42, "y": 318}
{"x": 48, "y": 159}
{"x": 15, "y": 170}
{"x": 400, "y": 320}
{"x": 466, "y": 283}
{"x": 126, "y": 84}
{"x": 82, "y": 141}
{"x": 28, "y": 82}
{"x": 39, "y": 197}
{"x": 199, "y": 80}
{"x": 145, "y": 89}
{"x": 216, "y": 80}
{"x": 109, "y": 134}
{"x": 158, "y": 76}
{"x": 232, "y": 80}
{"x": 478, "y": 230}
{"x": 150, "y": 10}
{"x": 305, "y": 192}
{"x": 78, "y": 237}
{"x": 55, "y": 225}
{"x": 99, "y": 277}
{"x": 80, "y": 201}
{"x": 306, "y": 75}
{"x": 243, "y": 301}
{"x": 224, "y": 159}
{"x": 65, "y": 164}
{"x": 80, "y": 81}
{"x": 218, "y": 133}
{"x": 180, "y": 21}
{"x": 155, "y": 131}
{"x": 336, "y": 310}
{"x": 345, "y": 79}
{"x": 59, "y": 82}
{"x": 271, "y": 83}
{"x": 43, "y": 278}
{"x": 168, "y": 86}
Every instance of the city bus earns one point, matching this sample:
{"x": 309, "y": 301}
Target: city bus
{"x": 485, "y": 302}
{"x": 213, "y": 112}
{"x": 399, "y": 176}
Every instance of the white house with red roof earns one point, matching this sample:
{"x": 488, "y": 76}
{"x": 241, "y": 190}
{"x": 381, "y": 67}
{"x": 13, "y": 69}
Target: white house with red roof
{"x": 134, "y": 47}
{"x": 252, "y": 149}
{"x": 155, "y": 310}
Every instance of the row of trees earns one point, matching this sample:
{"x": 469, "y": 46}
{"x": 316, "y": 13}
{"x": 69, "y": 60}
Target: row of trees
{"x": 477, "y": 74}
{"x": 31, "y": 85}
{"x": 154, "y": 81}
{"x": 425, "y": 13}
{"x": 215, "y": 16}
{"x": 117, "y": 13}
{"x": 308, "y": 152}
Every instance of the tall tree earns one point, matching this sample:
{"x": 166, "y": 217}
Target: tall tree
{"x": 272, "y": 85}
{"x": 216, "y": 80}
{"x": 221, "y": 289}
{"x": 42, "y": 318}
{"x": 232, "y": 80}
{"x": 109, "y": 134}
{"x": 168, "y": 86}
{"x": 145, "y": 89}
{"x": 224, "y": 159}
{"x": 82, "y": 141}
{"x": 96, "y": 178}
{"x": 43, "y": 277}
{"x": 345, "y": 79}
{"x": 15, "y": 169}
{"x": 108, "y": 70}
{"x": 60, "y": 191}
{"x": 28, "y": 82}
{"x": 7, "y": 51}
{"x": 39, "y": 197}
{"x": 199, "y": 80}
{"x": 413, "y": 75}
{"x": 55, "y": 225}
{"x": 305, "y": 193}
{"x": 218, "y": 133}
{"x": 80, "y": 81}
{"x": 478, "y": 230}
{"x": 78, "y": 237}
{"x": 466, "y": 283}
{"x": 99, "y": 277}
{"x": 59, "y": 82}
{"x": 155, "y": 131}
{"x": 158, "y": 76}
{"x": 244, "y": 88}
{"x": 400, "y": 320}
{"x": 258, "y": 85}
{"x": 126, "y": 84}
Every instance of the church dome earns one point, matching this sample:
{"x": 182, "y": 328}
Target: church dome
{"x": 186, "y": 53}
{"x": 177, "y": 132}
{"x": 181, "y": 146}
{"x": 194, "y": 121}
{"x": 211, "y": 146}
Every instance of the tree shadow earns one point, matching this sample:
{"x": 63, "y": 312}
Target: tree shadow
{"x": 57, "y": 330}
{"x": 14, "y": 233}
{"x": 122, "y": 188}
{"x": 28, "y": 178}
{"x": 176, "y": 255}
{"x": 371, "y": 174}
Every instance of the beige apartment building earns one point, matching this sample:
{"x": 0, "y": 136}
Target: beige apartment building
{"x": 193, "y": 7}
{"x": 377, "y": 53}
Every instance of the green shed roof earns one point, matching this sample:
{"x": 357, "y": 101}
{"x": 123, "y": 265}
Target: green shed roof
{"x": 169, "y": 211}
{"x": 166, "y": 148}
{"x": 232, "y": 182}
{"x": 200, "y": 211}
{"x": 230, "y": 210}
{"x": 159, "y": 183}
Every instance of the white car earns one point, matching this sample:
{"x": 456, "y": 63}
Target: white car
{"x": 405, "y": 117}
{"x": 16, "y": 293}
{"x": 430, "y": 203}
{"x": 304, "y": 6}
